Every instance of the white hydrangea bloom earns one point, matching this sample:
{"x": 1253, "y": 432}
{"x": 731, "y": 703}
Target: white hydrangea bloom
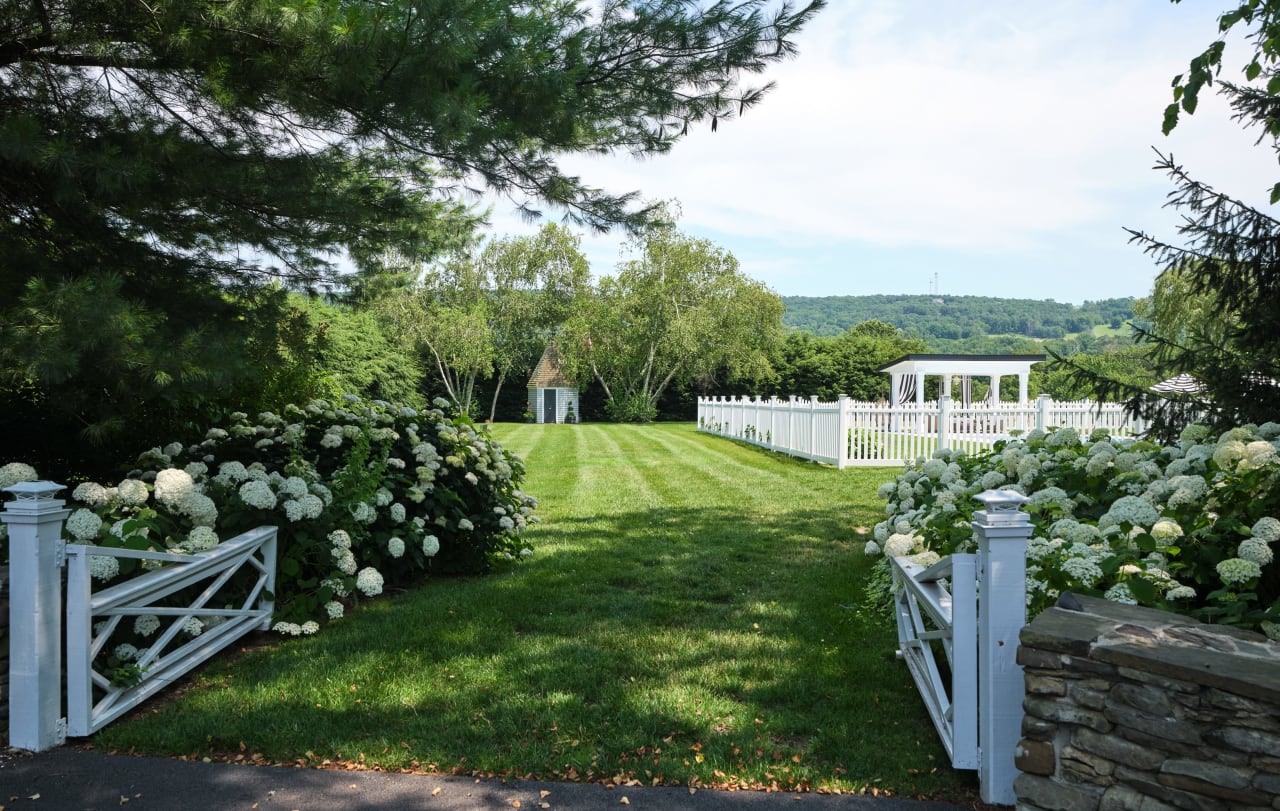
{"x": 340, "y": 539}
{"x": 91, "y": 493}
{"x": 257, "y": 494}
{"x": 325, "y": 494}
{"x": 146, "y": 625}
{"x": 125, "y": 652}
{"x": 1083, "y": 570}
{"x": 369, "y": 581}
{"x": 289, "y": 628}
{"x": 397, "y": 512}
{"x": 103, "y": 567}
{"x": 1132, "y": 509}
{"x": 1180, "y": 593}
{"x": 293, "y": 487}
{"x": 309, "y": 627}
{"x": 430, "y": 546}
{"x": 1255, "y": 550}
{"x": 1166, "y": 529}
{"x": 201, "y": 539}
{"x": 334, "y": 609}
{"x": 84, "y": 524}
{"x": 871, "y": 549}
{"x": 395, "y": 546}
{"x": 335, "y": 585}
{"x": 1266, "y": 529}
{"x": 16, "y": 473}
{"x": 172, "y": 486}
{"x": 364, "y": 513}
{"x": 133, "y": 492}
{"x": 200, "y": 509}
{"x": 465, "y": 525}
{"x": 192, "y": 626}
{"x": 899, "y": 545}
{"x": 1119, "y": 593}
{"x": 506, "y": 523}
{"x": 1238, "y": 570}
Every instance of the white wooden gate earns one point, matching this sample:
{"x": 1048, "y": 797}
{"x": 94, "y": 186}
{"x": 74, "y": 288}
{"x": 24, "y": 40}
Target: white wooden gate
{"x": 975, "y": 624}
{"x": 174, "y": 652}
{"x": 931, "y": 618}
{"x": 37, "y": 557}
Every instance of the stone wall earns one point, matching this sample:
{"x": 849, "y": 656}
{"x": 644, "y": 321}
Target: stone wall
{"x": 1132, "y": 708}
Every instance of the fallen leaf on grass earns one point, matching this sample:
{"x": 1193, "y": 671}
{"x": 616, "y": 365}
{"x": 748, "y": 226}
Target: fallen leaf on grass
{"x": 624, "y": 801}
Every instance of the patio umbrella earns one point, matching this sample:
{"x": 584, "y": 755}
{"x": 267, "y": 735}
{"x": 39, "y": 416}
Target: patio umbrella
{"x": 1181, "y": 384}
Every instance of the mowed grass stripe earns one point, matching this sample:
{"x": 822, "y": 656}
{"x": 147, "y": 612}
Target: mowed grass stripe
{"x": 669, "y": 627}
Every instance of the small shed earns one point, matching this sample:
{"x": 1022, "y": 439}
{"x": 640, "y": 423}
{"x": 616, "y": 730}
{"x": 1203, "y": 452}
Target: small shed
{"x": 552, "y": 396}
{"x": 908, "y": 373}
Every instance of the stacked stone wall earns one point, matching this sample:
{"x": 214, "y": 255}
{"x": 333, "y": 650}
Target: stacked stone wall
{"x": 1132, "y": 708}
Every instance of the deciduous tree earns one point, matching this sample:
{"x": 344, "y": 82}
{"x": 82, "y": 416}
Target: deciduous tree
{"x": 680, "y": 311}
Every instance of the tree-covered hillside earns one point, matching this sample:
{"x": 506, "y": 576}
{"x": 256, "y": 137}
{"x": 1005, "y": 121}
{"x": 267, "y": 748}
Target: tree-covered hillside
{"x": 954, "y": 317}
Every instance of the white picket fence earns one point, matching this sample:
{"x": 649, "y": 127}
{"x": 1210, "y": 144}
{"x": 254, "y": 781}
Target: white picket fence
{"x": 37, "y": 557}
{"x": 971, "y": 609}
{"x": 848, "y": 432}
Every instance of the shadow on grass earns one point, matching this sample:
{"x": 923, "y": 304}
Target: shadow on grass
{"x": 668, "y": 645}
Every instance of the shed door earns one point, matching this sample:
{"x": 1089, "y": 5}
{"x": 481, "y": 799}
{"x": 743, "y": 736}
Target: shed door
{"x": 549, "y": 405}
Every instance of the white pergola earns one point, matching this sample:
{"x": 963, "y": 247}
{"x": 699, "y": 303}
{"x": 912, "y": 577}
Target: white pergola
{"x": 909, "y": 372}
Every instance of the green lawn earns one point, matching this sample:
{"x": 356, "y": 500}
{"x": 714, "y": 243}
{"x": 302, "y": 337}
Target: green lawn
{"x": 690, "y": 616}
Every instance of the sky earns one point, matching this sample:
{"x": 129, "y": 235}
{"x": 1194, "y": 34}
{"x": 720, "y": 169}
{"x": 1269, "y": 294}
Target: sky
{"x": 990, "y": 148}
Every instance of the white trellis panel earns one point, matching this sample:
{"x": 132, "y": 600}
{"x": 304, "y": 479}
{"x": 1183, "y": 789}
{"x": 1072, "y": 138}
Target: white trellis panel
{"x": 171, "y": 653}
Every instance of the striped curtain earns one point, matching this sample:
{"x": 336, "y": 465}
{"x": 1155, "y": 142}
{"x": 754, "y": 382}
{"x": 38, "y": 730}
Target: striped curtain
{"x": 907, "y": 389}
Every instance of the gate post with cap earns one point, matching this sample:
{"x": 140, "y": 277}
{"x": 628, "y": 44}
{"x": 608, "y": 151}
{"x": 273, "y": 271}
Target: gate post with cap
{"x": 1002, "y": 531}
{"x": 36, "y": 554}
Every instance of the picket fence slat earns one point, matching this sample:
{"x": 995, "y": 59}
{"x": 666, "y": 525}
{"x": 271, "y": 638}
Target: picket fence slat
{"x": 848, "y": 432}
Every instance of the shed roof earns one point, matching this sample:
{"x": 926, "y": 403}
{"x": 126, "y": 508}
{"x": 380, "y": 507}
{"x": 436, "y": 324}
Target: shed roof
{"x": 548, "y": 374}
{"x": 962, "y": 364}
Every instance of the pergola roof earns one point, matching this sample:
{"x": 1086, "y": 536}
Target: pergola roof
{"x": 962, "y": 364}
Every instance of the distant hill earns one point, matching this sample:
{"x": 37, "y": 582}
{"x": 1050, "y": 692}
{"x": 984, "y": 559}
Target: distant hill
{"x": 953, "y": 318}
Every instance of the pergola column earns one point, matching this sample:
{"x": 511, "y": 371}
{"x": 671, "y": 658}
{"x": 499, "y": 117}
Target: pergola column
{"x": 920, "y": 388}
{"x": 1023, "y": 377}
{"x": 995, "y": 390}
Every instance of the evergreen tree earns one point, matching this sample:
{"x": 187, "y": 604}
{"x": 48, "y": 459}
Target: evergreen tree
{"x": 164, "y": 164}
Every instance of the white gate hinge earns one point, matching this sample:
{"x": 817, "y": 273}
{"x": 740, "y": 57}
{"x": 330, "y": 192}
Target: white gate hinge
{"x": 60, "y": 554}
{"x": 60, "y": 730}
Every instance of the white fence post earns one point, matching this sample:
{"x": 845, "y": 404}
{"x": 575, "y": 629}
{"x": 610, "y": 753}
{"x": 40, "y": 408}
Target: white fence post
{"x": 1002, "y": 531}
{"x": 842, "y": 438}
{"x": 1042, "y": 412}
{"x": 36, "y": 552}
{"x": 944, "y": 420}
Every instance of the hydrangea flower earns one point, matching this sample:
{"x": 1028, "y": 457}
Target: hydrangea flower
{"x": 16, "y": 473}
{"x": 258, "y": 494}
{"x": 133, "y": 492}
{"x": 201, "y": 539}
{"x": 192, "y": 626}
{"x": 1253, "y": 549}
{"x": 430, "y": 546}
{"x": 364, "y": 513}
{"x": 1166, "y": 529}
{"x": 91, "y": 493}
{"x": 146, "y": 625}
{"x": 1131, "y": 509}
{"x": 1236, "y": 570}
{"x": 465, "y": 525}
{"x": 199, "y": 508}
{"x": 395, "y": 547}
{"x": 1119, "y": 593}
{"x": 397, "y": 512}
{"x": 290, "y": 628}
{"x": 103, "y": 567}
{"x": 125, "y": 652}
{"x": 369, "y": 581}
{"x": 172, "y": 486}
{"x": 83, "y": 524}
{"x": 1267, "y": 529}
{"x": 334, "y": 609}
{"x": 309, "y": 627}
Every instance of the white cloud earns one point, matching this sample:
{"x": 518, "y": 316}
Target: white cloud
{"x": 980, "y": 128}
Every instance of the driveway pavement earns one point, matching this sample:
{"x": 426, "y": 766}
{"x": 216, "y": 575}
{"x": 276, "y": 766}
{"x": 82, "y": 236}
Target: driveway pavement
{"x": 67, "y": 778}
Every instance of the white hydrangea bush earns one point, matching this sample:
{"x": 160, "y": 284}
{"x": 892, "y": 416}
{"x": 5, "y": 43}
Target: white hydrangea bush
{"x": 367, "y": 496}
{"x": 1190, "y": 527}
